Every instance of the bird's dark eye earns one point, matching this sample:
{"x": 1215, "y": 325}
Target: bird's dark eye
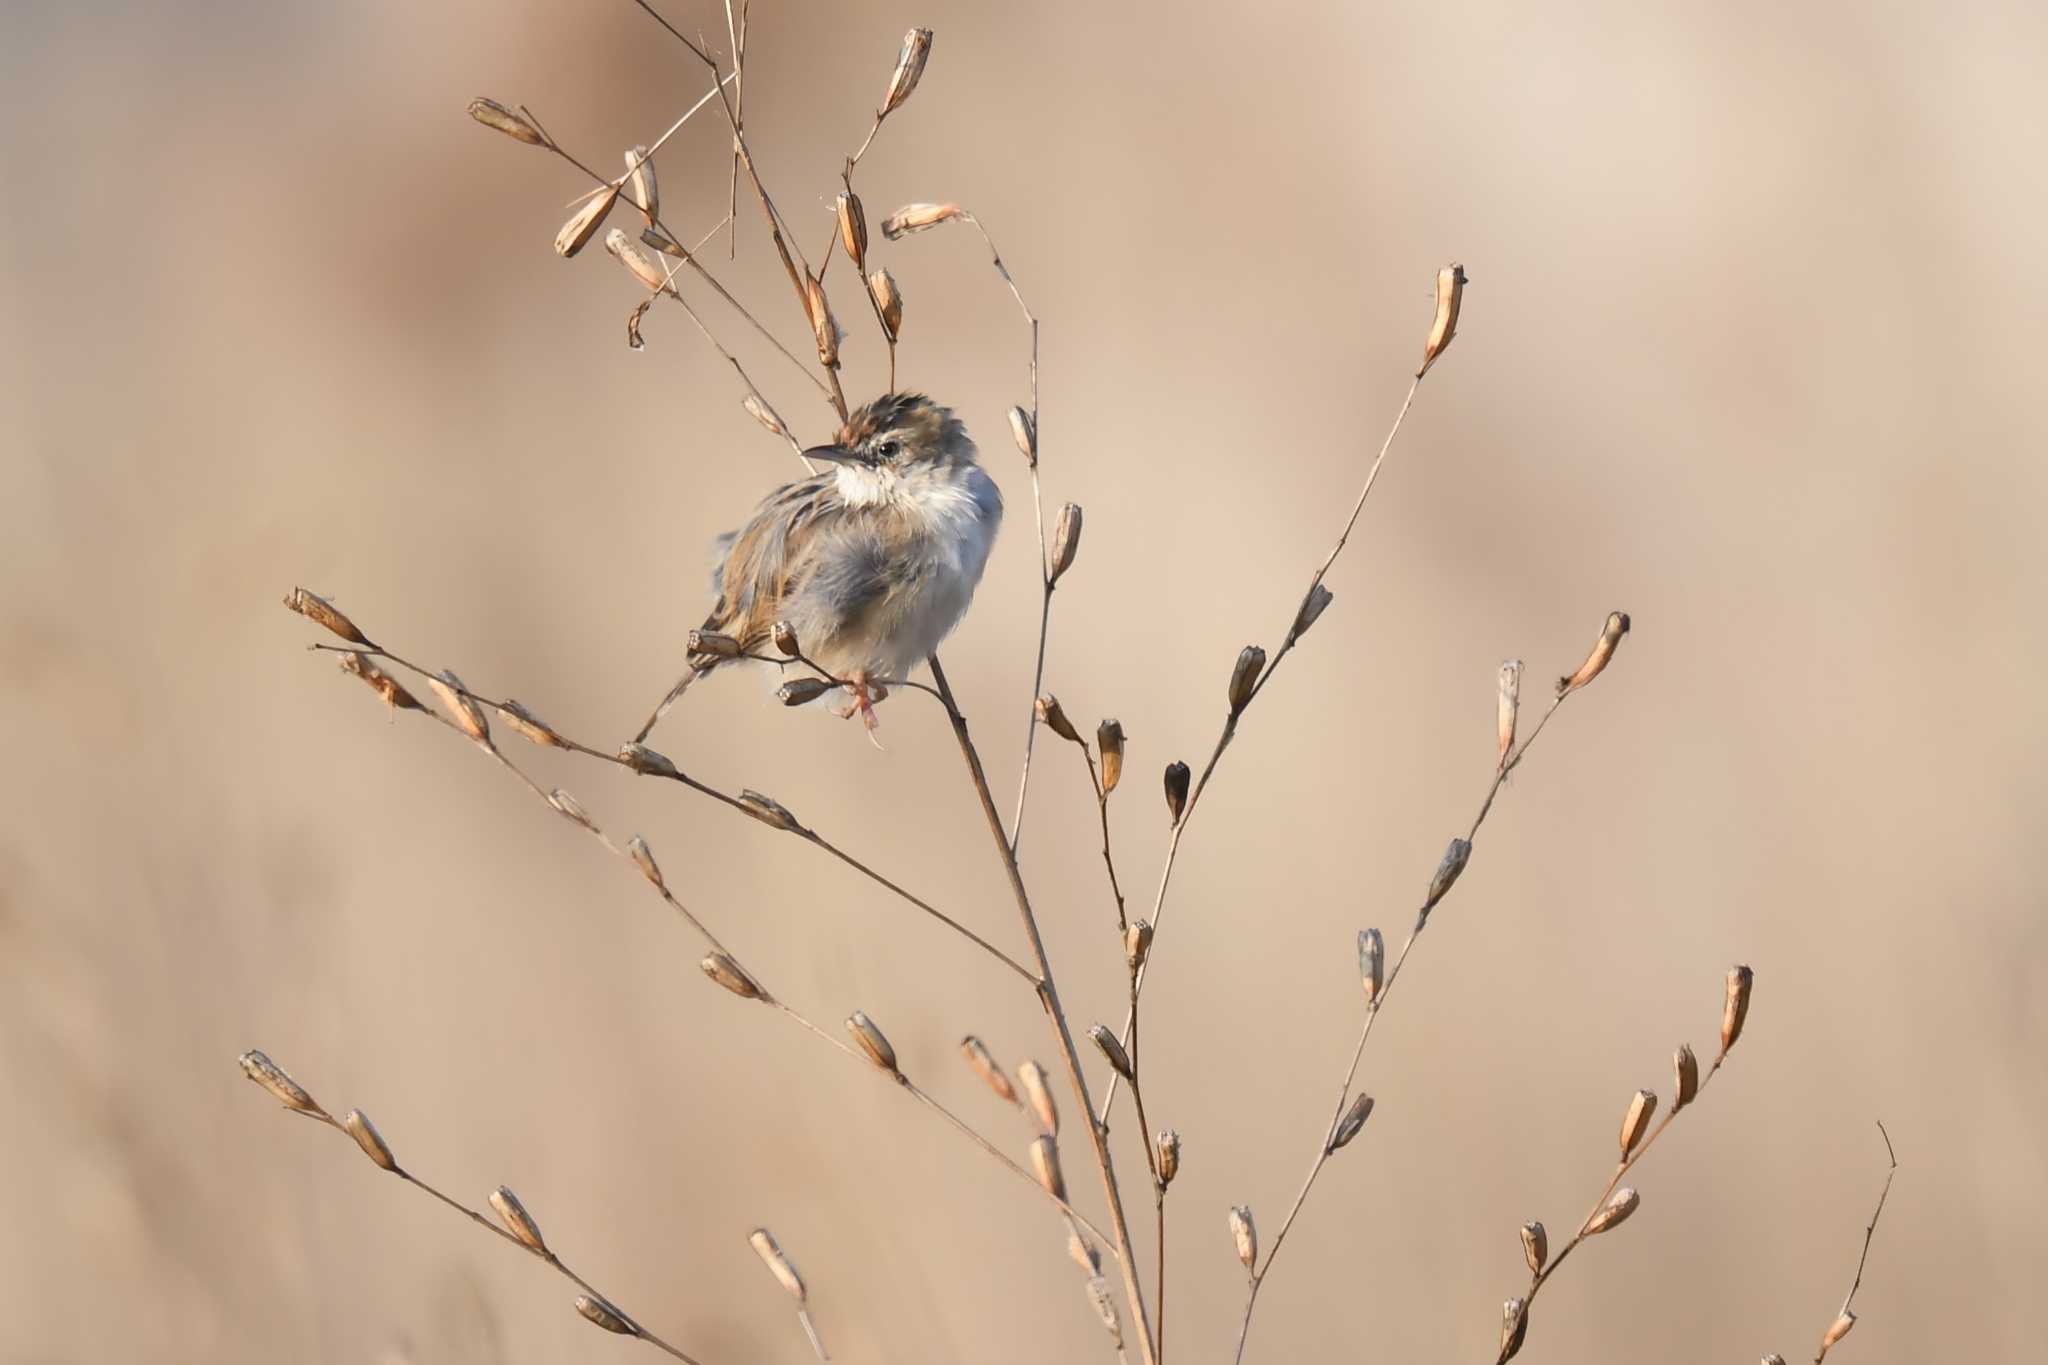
{"x": 888, "y": 450}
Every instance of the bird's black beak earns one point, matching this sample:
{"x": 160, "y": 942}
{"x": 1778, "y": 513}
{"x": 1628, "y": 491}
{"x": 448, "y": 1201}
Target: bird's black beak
{"x": 832, "y": 455}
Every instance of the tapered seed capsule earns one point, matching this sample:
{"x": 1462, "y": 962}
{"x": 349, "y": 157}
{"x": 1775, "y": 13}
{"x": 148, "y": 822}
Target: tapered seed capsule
{"x": 1244, "y": 675}
{"x": 322, "y": 612}
{"x": 584, "y": 223}
{"x": 1614, "y": 1211}
{"x": 1176, "y": 790}
{"x": 1055, "y": 718}
{"x": 1686, "y": 1068}
{"x": 517, "y": 1220}
{"x": 1636, "y": 1122}
{"x": 511, "y": 123}
{"x": 383, "y": 684}
{"x": 1245, "y": 1233}
{"x": 1447, "y": 872}
{"x": 784, "y": 636}
{"x": 721, "y": 967}
{"x": 1735, "y": 1008}
{"x": 1066, "y": 541}
{"x": 919, "y": 217}
{"x": 1032, "y": 1076}
{"x": 768, "y": 811}
{"x": 779, "y": 1265}
{"x": 571, "y": 809}
{"x": 638, "y": 263}
{"x": 1514, "y": 1328}
{"x": 279, "y": 1083}
{"x": 467, "y": 713}
{"x": 1603, "y": 650}
{"x": 359, "y": 1127}
{"x": 713, "y": 643}
{"x": 1111, "y": 1049}
{"x": 978, "y": 1056}
{"x": 1353, "y": 1120}
{"x": 758, "y": 410}
{"x": 597, "y": 1311}
{"x": 1167, "y": 1144}
{"x": 1510, "y": 705}
{"x": 1837, "y": 1329}
{"x": 888, "y": 302}
{"x": 853, "y": 229}
{"x": 1045, "y": 1164}
{"x": 647, "y": 762}
{"x": 1109, "y": 743}
{"x": 531, "y": 726}
{"x": 824, "y": 327}
{"x": 1137, "y": 943}
{"x": 1450, "y": 296}
{"x": 1025, "y": 433}
{"x": 1317, "y": 598}
{"x": 799, "y": 691}
{"x": 640, "y": 182}
{"x": 1372, "y": 962}
{"x": 1535, "y": 1247}
{"x": 1774, "y": 1359}
{"x": 871, "y": 1041}
{"x": 643, "y": 858}
{"x": 917, "y": 49}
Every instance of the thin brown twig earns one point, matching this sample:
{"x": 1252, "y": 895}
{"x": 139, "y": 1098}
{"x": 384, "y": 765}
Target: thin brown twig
{"x": 1869, "y": 1232}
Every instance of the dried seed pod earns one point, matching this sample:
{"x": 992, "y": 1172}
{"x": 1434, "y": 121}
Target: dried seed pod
{"x": 1839, "y": 1328}
{"x": 1774, "y": 1359}
{"x": 279, "y": 1083}
{"x": 917, "y": 48}
{"x": 1085, "y": 1255}
{"x": 511, "y": 123}
{"x": 383, "y": 684}
{"x": 1603, "y": 650}
{"x": 1066, "y": 540}
{"x": 1353, "y": 1120}
{"x": 714, "y": 644}
{"x": 1450, "y": 294}
{"x": 853, "y": 229}
{"x": 769, "y": 811}
{"x": 978, "y": 1056}
{"x": 643, "y": 858}
{"x": 758, "y": 410}
{"x": 1024, "y": 432}
{"x": 571, "y": 809}
{"x": 1636, "y": 1122}
{"x": 322, "y": 612}
{"x": 1535, "y": 1247}
{"x": 1105, "y": 1309}
{"x": 662, "y": 242}
{"x": 531, "y": 726}
{"x": 517, "y": 1220}
{"x": 721, "y": 967}
{"x": 1055, "y": 719}
{"x": 640, "y": 181}
{"x": 643, "y": 267}
{"x": 1510, "y": 705}
{"x": 1514, "y": 1328}
{"x": 1244, "y": 676}
{"x": 1137, "y": 943}
{"x": 1106, "y": 1043}
{"x": 1614, "y": 1211}
{"x": 647, "y": 762}
{"x": 1167, "y": 1145}
{"x": 1176, "y": 790}
{"x": 918, "y": 217}
{"x": 604, "y": 1315}
{"x": 798, "y": 691}
{"x": 824, "y": 327}
{"x": 784, "y": 636}
{"x": 764, "y": 1244}
{"x": 1447, "y": 872}
{"x": 872, "y": 1042}
{"x": 1245, "y": 1233}
{"x": 584, "y": 223}
{"x": 456, "y": 698}
{"x": 1311, "y": 607}
{"x": 1687, "y": 1069}
{"x": 888, "y": 303}
{"x": 359, "y": 1127}
{"x": 1032, "y": 1076}
{"x": 1045, "y": 1164}
{"x": 1735, "y": 1009}
{"x": 1372, "y": 963}
{"x": 1109, "y": 743}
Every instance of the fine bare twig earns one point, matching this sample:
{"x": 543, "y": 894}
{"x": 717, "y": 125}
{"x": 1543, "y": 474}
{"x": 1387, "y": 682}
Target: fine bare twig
{"x": 1845, "y": 1317}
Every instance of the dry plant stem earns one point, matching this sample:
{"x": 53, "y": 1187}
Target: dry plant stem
{"x": 1870, "y": 1230}
{"x": 1048, "y": 995}
{"x": 1230, "y": 723}
{"x": 1109, "y": 862}
{"x": 737, "y": 36}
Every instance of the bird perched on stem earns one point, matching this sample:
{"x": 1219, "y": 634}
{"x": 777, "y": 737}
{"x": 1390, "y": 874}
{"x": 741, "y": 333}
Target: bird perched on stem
{"x": 871, "y": 562}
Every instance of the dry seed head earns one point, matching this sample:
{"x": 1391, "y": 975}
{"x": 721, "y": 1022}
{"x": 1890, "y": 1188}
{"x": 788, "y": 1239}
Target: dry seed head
{"x": 720, "y": 967}
{"x": 872, "y": 1042}
{"x": 917, "y": 49}
{"x": 1109, "y": 743}
{"x": 1447, "y": 872}
{"x": 1025, "y": 433}
{"x": 604, "y": 1315}
{"x": 643, "y": 266}
{"x": 757, "y": 410}
{"x": 517, "y": 1220}
{"x": 1686, "y": 1068}
{"x": 1535, "y": 1247}
{"x": 1245, "y": 1233}
{"x": 1244, "y": 675}
{"x": 1514, "y": 1327}
{"x": 571, "y": 809}
{"x": 763, "y": 1242}
{"x": 1168, "y": 1146}
{"x": 1066, "y": 540}
{"x": 279, "y": 1083}
{"x": 1137, "y": 943}
{"x": 1176, "y": 790}
{"x": 369, "y": 1139}
{"x": 888, "y": 302}
{"x": 768, "y": 811}
{"x": 1372, "y": 963}
{"x": 1084, "y": 1254}
{"x": 531, "y": 726}
{"x": 383, "y": 684}
{"x": 798, "y": 691}
{"x": 643, "y": 858}
{"x": 824, "y": 327}
{"x": 1636, "y": 1121}
{"x": 1735, "y": 1009}
{"x": 1837, "y": 1329}
{"x": 1107, "y": 1044}
{"x": 584, "y": 223}
{"x": 1450, "y": 295}
{"x": 978, "y": 1056}
{"x": 716, "y": 645}
{"x": 663, "y": 243}
{"x": 647, "y": 762}
{"x": 1774, "y": 1359}
{"x": 918, "y": 217}
{"x": 322, "y": 612}
{"x": 1032, "y": 1076}
{"x": 640, "y": 181}
{"x": 511, "y": 123}
{"x": 1353, "y": 1120}
{"x": 1045, "y": 1164}
{"x": 1603, "y": 650}
{"x": 784, "y": 636}
{"x": 455, "y": 697}
{"x": 1055, "y": 718}
{"x": 1105, "y": 1309}
{"x": 853, "y": 229}
{"x": 1614, "y": 1211}
{"x": 1510, "y": 704}
{"x": 1311, "y": 607}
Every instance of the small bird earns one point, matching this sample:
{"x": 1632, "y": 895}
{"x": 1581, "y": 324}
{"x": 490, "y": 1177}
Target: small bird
{"x": 871, "y": 562}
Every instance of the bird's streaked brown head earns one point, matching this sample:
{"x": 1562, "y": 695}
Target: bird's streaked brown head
{"x": 898, "y": 430}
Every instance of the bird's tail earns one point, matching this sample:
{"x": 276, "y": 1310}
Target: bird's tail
{"x": 699, "y": 666}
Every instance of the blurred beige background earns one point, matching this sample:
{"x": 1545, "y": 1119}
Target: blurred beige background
{"x": 1751, "y": 350}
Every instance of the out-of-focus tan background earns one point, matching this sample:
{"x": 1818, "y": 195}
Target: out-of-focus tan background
{"x": 1751, "y": 351}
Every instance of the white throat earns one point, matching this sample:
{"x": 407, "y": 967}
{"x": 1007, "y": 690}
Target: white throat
{"x": 867, "y": 485}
